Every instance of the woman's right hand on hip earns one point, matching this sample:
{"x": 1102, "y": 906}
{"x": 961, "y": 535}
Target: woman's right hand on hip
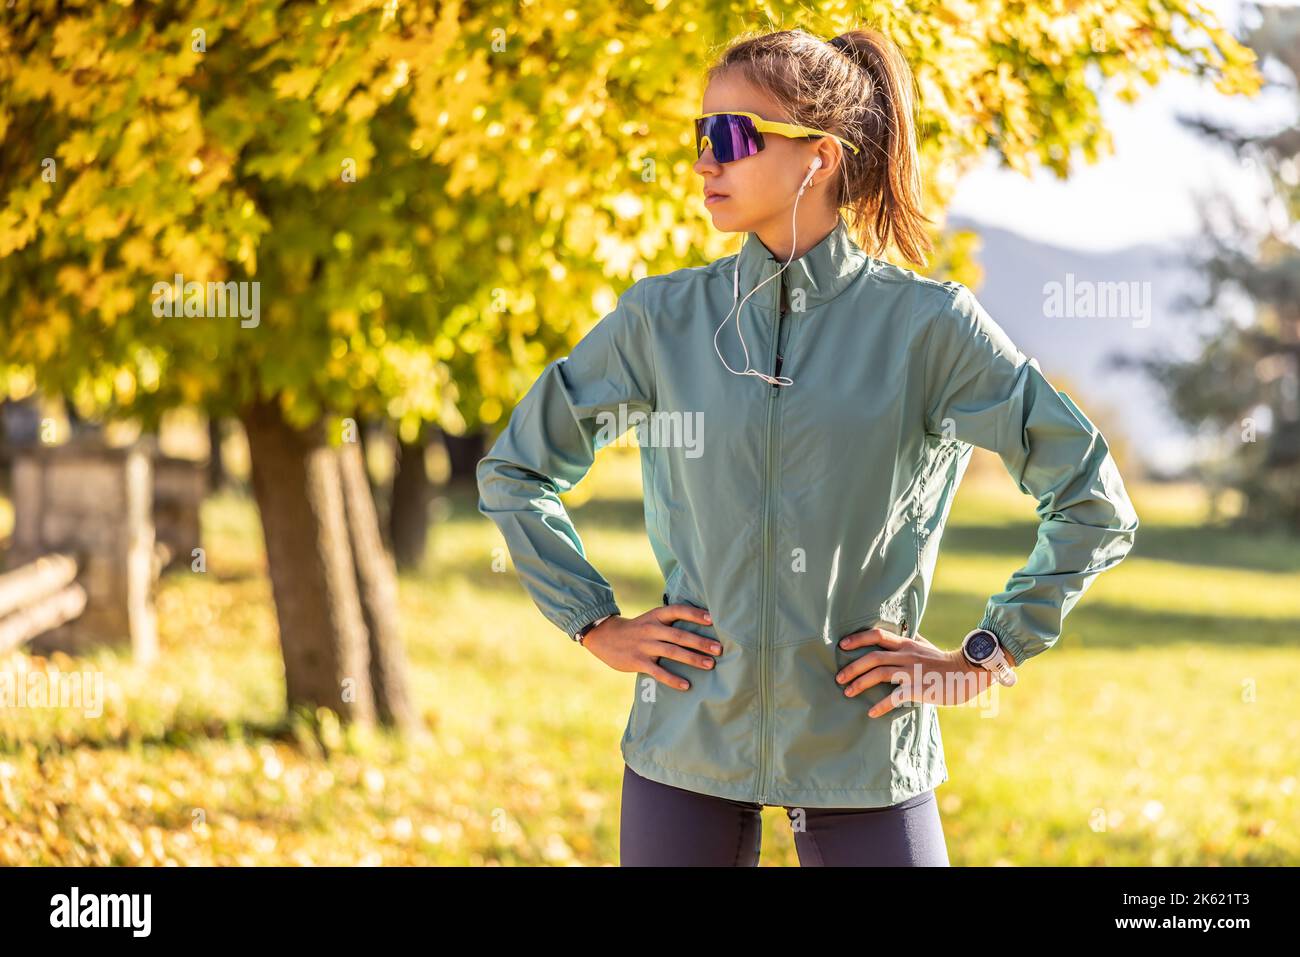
{"x": 637, "y": 644}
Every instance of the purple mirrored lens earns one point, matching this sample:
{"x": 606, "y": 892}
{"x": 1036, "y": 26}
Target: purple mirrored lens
{"x": 731, "y": 136}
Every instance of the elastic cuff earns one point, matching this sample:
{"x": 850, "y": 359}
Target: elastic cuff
{"x": 585, "y": 616}
{"x": 1009, "y": 644}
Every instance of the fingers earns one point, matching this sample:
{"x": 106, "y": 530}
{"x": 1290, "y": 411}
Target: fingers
{"x": 670, "y": 613}
{"x": 680, "y": 636}
{"x": 864, "y": 663}
{"x": 656, "y": 639}
{"x": 668, "y": 649}
{"x": 884, "y": 674}
{"x": 888, "y": 703}
{"x": 888, "y": 648}
{"x": 874, "y": 636}
{"x": 664, "y": 676}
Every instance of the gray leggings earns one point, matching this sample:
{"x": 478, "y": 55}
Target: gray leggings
{"x": 664, "y": 826}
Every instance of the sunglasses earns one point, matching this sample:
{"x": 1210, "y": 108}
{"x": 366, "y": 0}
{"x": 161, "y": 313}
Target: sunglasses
{"x": 737, "y": 134}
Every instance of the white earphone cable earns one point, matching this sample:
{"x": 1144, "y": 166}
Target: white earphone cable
{"x": 735, "y": 291}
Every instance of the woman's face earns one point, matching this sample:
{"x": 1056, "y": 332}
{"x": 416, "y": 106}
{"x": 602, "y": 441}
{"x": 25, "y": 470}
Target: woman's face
{"x": 757, "y": 192}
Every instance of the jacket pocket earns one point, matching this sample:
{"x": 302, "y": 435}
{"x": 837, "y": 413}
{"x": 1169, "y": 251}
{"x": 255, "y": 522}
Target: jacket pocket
{"x": 705, "y": 733}
{"x": 825, "y": 740}
{"x": 904, "y": 718}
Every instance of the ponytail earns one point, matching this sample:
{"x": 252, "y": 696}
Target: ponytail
{"x": 884, "y": 186}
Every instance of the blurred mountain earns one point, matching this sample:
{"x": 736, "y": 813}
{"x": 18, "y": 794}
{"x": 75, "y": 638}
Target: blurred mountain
{"x": 1040, "y": 292}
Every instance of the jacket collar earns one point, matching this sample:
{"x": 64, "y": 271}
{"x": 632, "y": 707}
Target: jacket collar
{"x": 823, "y": 272}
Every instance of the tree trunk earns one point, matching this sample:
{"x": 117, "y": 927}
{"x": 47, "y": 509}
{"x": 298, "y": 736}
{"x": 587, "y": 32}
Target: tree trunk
{"x": 408, "y": 510}
{"x": 216, "y": 465}
{"x": 364, "y": 427}
{"x": 377, "y": 586}
{"x": 6, "y": 453}
{"x": 299, "y": 492}
{"x": 464, "y": 452}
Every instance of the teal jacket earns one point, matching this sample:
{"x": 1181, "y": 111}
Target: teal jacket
{"x": 800, "y": 514}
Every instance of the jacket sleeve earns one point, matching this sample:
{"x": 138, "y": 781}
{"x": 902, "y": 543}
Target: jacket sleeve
{"x": 578, "y": 404}
{"x": 981, "y": 389}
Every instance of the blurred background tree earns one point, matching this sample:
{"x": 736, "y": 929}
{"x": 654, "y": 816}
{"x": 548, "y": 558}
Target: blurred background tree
{"x": 1241, "y": 387}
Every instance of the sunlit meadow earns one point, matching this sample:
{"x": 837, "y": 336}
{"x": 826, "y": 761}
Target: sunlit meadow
{"x": 1162, "y": 729}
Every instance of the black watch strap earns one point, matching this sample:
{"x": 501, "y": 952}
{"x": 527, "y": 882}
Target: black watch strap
{"x": 582, "y": 632}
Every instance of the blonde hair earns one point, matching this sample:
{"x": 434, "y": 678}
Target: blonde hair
{"x": 860, "y": 87}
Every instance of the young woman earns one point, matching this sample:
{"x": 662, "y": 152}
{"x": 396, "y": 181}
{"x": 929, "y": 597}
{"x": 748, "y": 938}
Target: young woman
{"x": 798, "y": 473}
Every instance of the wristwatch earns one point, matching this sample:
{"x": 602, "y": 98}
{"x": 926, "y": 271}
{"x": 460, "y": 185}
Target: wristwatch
{"x": 582, "y": 632}
{"x": 981, "y": 647}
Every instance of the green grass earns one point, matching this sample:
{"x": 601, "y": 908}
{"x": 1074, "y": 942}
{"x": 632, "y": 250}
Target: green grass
{"x": 1159, "y": 730}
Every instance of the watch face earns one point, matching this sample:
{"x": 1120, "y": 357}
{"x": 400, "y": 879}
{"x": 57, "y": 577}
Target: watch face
{"x": 981, "y": 645}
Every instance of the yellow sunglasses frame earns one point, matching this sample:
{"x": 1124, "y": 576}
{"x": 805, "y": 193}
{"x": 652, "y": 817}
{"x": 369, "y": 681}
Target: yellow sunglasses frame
{"x": 771, "y": 126}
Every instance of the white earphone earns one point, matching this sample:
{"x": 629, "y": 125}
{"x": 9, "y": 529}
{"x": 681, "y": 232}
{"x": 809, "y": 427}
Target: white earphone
{"x": 813, "y": 167}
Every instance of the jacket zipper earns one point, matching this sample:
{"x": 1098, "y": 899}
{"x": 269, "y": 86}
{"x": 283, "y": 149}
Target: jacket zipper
{"x": 765, "y": 670}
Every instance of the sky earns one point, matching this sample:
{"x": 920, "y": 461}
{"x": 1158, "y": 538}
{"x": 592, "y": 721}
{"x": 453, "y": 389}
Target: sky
{"x": 1144, "y": 192}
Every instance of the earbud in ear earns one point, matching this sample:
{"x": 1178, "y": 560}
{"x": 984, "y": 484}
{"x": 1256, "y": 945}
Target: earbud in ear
{"x": 813, "y": 167}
